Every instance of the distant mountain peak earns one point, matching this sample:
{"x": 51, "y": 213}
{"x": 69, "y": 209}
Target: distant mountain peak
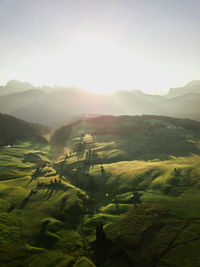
{"x": 125, "y": 92}
{"x": 137, "y": 91}
{"x": 15, "y": 84}
{"x": 191, "y": 87}
{"x": 195, "y": 83}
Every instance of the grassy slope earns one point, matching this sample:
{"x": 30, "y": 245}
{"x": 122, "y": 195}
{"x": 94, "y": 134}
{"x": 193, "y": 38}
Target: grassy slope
{"x": 24, "y": 237}
{"x": 48, "y": 227}
{"x": 170, "y": 180}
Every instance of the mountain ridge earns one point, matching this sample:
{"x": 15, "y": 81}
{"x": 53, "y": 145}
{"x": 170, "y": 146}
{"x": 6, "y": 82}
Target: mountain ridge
{"x": 60, "y": 104}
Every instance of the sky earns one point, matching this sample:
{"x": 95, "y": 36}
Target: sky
{"x": 101, "y": 45}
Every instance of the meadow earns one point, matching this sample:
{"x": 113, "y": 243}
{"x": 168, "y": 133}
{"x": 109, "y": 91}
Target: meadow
{"x": 53, "y": 196}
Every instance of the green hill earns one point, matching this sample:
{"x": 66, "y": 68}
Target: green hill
{"x": 11, "y": 127}
{"x": 54, "y": 197}
{"x": 135, "y": 137}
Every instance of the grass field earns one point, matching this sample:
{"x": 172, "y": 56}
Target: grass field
{"x": 49, "y": 212}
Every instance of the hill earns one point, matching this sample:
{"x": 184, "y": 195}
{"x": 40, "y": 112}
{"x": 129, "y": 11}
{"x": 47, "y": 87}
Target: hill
{"x": 36, "y": 210}
{"x": 137, "y": 137}
{"x": 11, "y": 127}
{"x": 153, "y": 155}
{"x": 72, "y": 201}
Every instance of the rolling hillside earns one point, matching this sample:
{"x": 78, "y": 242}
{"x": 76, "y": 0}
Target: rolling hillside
{"x": 145, "y": 136}
{"x": 153, "y": 155}
{"x": 56, "y": 196}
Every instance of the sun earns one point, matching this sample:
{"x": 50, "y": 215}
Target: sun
{"x": 90, "y": 63}
{"x": 100, "y": 65}
{"x": 96, "y": 64}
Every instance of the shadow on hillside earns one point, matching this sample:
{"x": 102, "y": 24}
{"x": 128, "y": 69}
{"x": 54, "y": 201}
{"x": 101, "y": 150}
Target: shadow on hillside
{"x": 62, "y": 204}
{"x": 24, "y": 202}
{"x": 45, "y": 238}
{"x": 107, "y": 253}
{"x": 26, "y": 199}
{"x": 84, "y": 170}
{"x": 11, "y": 208}
{"x": 34, "y": 176}
{"x": 79, "y": 155}
{"x": 50, "y": 193}
{"x": 149, "y": 147}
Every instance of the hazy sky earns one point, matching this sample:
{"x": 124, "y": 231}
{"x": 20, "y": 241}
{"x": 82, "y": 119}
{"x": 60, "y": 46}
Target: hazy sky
{"x": 101, "y": 45}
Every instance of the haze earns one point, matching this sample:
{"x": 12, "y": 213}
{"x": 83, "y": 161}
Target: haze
{"x": 101, "y": 46}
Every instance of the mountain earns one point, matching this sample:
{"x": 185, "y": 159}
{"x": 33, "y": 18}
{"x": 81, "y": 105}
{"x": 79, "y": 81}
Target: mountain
{"x": 15, "y": 86}
{"x": 82, "y": 101}
{"x": 191, "y": 87}
{"x": 184, "y": 103}
{"x": 136, "y": 103}
{"x": 56, "y": 107}
{"x": 11, "y": 127}
{"x": 53, "y": 106}
{"x": 34, "y": 106}
{"x": 61, "y": 105}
